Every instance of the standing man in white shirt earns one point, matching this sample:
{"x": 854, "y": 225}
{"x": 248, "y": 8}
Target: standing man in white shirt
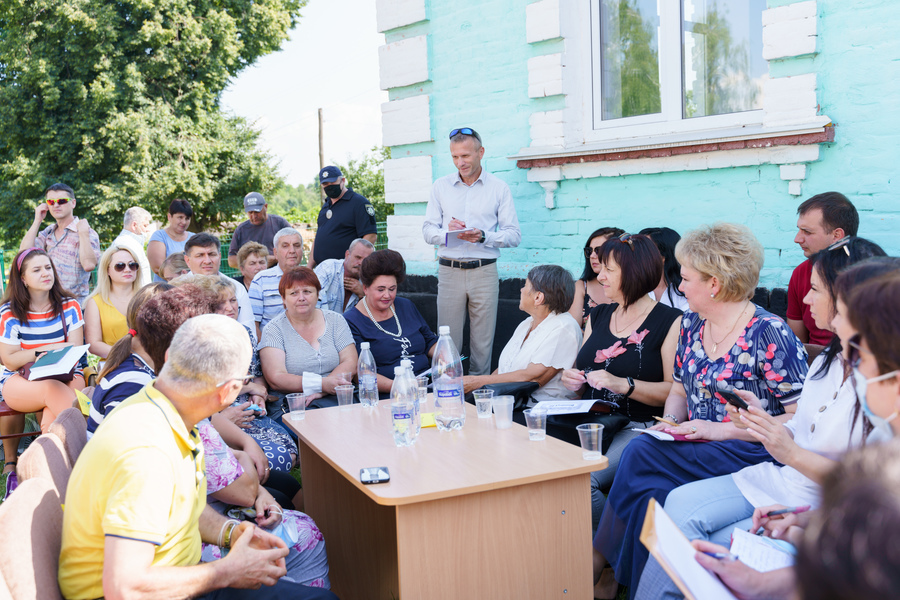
{"x": 134, "y": 234}
{"x": 481, "y": 204}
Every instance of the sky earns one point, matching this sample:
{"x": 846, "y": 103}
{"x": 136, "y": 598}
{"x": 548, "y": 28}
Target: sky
{"x": 330, "y": 62}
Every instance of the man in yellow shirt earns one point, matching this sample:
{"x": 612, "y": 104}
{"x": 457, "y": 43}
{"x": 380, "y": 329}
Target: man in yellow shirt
{"x": 136, "y": 509}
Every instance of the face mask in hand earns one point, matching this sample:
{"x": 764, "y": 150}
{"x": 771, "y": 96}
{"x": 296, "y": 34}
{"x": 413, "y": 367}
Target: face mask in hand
{"x": 333, "y": 191}
{"x": 861, "y": 384}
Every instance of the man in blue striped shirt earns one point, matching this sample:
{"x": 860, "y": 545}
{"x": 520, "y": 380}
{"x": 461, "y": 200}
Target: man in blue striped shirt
{"x": 264, "y": 296}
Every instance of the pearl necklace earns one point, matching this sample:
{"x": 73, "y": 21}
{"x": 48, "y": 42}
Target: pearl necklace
{"x": 380, "y": 328}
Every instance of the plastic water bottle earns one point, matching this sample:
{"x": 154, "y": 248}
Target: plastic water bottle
{"x": 411, "y": 375}
{"x": 403, "y": 396}
{"x": 447, "y": 375}
{"x": 368, "y": 381}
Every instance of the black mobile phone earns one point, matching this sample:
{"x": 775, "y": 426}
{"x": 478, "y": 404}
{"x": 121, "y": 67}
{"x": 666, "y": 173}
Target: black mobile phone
{"x": 374, "y": 475}
{"x": 732, "y": 398}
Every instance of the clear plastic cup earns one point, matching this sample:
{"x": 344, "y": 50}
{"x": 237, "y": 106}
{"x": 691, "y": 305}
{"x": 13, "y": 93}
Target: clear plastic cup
{"x": 536, "y": 420}
{"x": 422, "y": 391}
{"x": 297, "y": 405}
{"x": 591, "y": 437}
{"x": 503, "y": 409}
{"x": 483, "y": 402}
{"x": 344, "y": 396}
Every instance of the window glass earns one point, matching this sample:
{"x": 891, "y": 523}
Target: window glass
{"x": 723, "y": 67}
{"x": 629, "y": 57}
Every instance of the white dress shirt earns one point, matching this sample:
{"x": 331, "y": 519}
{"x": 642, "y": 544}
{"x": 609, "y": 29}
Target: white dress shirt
{"x": 487, "y": 205}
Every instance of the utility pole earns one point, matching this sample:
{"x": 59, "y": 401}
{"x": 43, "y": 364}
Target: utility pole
{"x": 321, "y": 153}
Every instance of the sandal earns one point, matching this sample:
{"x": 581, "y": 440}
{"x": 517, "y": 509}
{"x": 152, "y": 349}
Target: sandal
{"x": 8, "y": 463}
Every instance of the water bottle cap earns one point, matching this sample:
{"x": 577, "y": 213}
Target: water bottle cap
{"x": 399, "y": 371}
{"x": 364, "y": 346}
{"x": 444, "y": 330}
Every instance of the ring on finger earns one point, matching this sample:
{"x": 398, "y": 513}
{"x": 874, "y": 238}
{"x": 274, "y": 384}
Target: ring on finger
{"x": 693, "y": 430}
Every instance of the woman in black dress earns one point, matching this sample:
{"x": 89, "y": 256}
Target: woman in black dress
{"x": 627, "y": 357}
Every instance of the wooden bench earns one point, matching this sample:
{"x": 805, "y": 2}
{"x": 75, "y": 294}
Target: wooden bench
{"x": 6, "y": 411}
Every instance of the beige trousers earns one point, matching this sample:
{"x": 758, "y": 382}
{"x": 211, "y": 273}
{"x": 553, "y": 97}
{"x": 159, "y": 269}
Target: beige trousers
{"x": 475, "y": 290}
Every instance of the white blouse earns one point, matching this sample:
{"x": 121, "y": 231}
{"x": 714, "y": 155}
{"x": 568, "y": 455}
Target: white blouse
{"x": 553, "y": 343}
{"x": 821, "y": 425}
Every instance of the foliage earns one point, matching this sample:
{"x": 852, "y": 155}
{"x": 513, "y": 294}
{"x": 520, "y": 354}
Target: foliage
{"x": 630, "y": 62}
{"x": 297, "y": 204}
{"x": 120, "y": 101}
{"x": 366, "y": 177}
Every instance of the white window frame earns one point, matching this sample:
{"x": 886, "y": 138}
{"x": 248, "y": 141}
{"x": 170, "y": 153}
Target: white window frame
{"x": 670, "y": 119}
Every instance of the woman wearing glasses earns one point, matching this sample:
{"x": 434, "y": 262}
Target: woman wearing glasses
{"x": 588, "y": 291}
{"x": 827, "y": 423}
{"x": 118, "y": 280}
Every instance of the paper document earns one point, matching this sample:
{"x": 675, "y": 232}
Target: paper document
{"x": 57, "y": 362}
{"x": 760, "y": 553}
{"x": 451, "y": 240}
{"x": 666, "y": 437}
{"x": 678, "y": 558}
{"x": 564, "y": 407}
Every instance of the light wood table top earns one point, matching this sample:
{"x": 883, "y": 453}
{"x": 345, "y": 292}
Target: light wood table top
{"x": 440, "y": 464}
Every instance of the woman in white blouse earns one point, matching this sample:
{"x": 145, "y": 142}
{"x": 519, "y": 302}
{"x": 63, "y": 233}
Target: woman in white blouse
{"x": 543, "y": 344}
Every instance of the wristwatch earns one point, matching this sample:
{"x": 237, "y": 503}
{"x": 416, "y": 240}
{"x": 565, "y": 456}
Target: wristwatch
{"x": 481, "y": 241}
{"x": 630, "y": 386}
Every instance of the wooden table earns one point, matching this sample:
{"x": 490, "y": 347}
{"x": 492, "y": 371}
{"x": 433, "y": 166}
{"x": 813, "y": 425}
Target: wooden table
{"x": 476, "y": 513}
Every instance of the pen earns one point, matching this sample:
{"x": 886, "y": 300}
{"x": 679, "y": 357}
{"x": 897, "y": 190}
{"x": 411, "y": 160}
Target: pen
{"x": 784, "y": 511}
{"x": 721, "y": 555}
{"x": 666, "y": 421}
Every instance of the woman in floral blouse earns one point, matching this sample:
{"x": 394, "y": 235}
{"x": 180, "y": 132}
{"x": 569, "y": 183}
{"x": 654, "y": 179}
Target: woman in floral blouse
{"x": 726, "y": 341}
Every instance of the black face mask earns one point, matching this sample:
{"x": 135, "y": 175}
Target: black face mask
{"x": 333, "y": 191}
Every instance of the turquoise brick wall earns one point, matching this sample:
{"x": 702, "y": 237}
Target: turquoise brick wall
{"x": 479, "y": 78}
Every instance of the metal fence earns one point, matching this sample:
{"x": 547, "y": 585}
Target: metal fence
{"x": 6, "y": 256}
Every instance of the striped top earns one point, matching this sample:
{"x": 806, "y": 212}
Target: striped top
{"x": 264, "y": 297}
{"x": 299, "y": 355}
{"x": 123, "y": 382}
{"x": 40, "y": 330}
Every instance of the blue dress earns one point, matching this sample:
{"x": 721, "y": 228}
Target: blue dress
{"x": 768, "y": 360}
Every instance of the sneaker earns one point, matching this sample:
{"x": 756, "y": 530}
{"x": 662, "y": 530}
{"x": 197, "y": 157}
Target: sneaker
{"x": 12, "y": 482}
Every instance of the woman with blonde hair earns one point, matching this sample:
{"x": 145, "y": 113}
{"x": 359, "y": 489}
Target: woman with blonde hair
{"x": 118, "y": 280}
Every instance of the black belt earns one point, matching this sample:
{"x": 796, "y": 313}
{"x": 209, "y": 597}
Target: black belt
{"x": 467, "y": 264}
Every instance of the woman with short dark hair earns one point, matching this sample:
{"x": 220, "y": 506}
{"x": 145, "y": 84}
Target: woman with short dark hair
{"x": 543, "y": 344}
{"x": 171, "y": 238}
{"x": 667, "y": 291}
{"x": 393, "y": 326}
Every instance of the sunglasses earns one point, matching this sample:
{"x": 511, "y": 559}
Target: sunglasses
{"x": 60, "y": 201}
{"x": 244, "y": 380}
{"x": 119, "y": 267}
{"x": 625, "y": 238}
{"x": 465, "y": 131}
{"x": 841, "y": 243}
{"x": 595, "y": 250}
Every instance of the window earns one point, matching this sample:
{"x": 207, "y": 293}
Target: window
{"x": 661, "y": 61}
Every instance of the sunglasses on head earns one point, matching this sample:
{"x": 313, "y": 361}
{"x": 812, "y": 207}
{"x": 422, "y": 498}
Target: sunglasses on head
{"x": 841, "y": 243}
{"x": 60, "y": 201}
{"x": 625, "y": 238}
{"x": 465, "y": 131}
{"x": 119, "y": 267}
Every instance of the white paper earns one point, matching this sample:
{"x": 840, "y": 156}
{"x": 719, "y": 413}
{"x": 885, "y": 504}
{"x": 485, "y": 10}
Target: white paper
{"x": 758, "y": 553}
{"x": 660, "y": 435}
{"x": 451, "y": 240}
{"x": 564, "y": 407}
{"x": 681, "y": 556}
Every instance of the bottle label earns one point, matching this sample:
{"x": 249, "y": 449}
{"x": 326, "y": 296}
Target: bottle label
{"x": 402, "y": 416}
{"x": 450, "y": 393}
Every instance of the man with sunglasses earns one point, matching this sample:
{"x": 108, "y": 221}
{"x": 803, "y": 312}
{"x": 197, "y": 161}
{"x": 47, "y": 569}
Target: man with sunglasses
{"x": 72, "y": 245}
{"x": 470, "y": 216}
{"x": 822, "y": 220}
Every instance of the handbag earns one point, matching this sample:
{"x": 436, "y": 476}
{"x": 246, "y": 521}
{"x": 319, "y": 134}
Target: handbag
{"x": 25, "y": 370}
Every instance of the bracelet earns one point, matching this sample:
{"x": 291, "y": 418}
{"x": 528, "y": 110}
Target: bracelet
{"x": 224, "y": 540}
{"x": 630, "y": 386}
{"x": 673, "y": 418}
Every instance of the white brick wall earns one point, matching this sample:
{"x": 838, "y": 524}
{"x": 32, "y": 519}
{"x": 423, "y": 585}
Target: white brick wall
{"x": 407, "y": 179}
{"x": 406, "y": 121}
{"x": 545, "y": 75}
{"x": 405, "y": 236}
{"x": 789, "y": 99}
{"x": 403, "y": 63}
{"x": 547, "y": 129}
{"x": 542, "y": 21}
{"x": 789, "y": 30}
{"x": 390, "y": 14}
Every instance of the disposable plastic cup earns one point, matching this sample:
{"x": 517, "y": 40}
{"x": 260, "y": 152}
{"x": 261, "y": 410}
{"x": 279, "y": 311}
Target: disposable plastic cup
{"x": 536, "y": 420}
{"x": 591, "y": 437}
{"x": 344, "y": 396}
{"x": 297, "y": 404}
{"x": 483, "y": 402}
{"x": 422, "y": 391}
{"x": 503, "y": 408}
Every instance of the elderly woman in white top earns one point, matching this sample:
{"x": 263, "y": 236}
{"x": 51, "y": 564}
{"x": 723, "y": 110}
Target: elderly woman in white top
{"x": 543, "y": 344}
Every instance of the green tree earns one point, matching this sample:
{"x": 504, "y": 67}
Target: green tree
{"x": 366, "y": 177}
{"x": 121, "y": 101}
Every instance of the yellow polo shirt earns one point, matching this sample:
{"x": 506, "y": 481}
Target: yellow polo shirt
{"x": 141, "y": 477}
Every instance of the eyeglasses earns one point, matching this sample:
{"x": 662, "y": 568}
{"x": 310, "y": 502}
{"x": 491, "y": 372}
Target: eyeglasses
{"x": 465, "y": 131}
{"x": 244, "y": 380}
{"x": 625, "y": 238}
{"x": 841, "y": 243}
{"x": 60, "y": 201}
{"x": 595, "y": 250}
{"x": 119, "y": 267}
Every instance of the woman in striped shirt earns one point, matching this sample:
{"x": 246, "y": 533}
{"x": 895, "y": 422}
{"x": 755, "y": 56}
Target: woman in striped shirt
{"x": 37, "y": 315}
